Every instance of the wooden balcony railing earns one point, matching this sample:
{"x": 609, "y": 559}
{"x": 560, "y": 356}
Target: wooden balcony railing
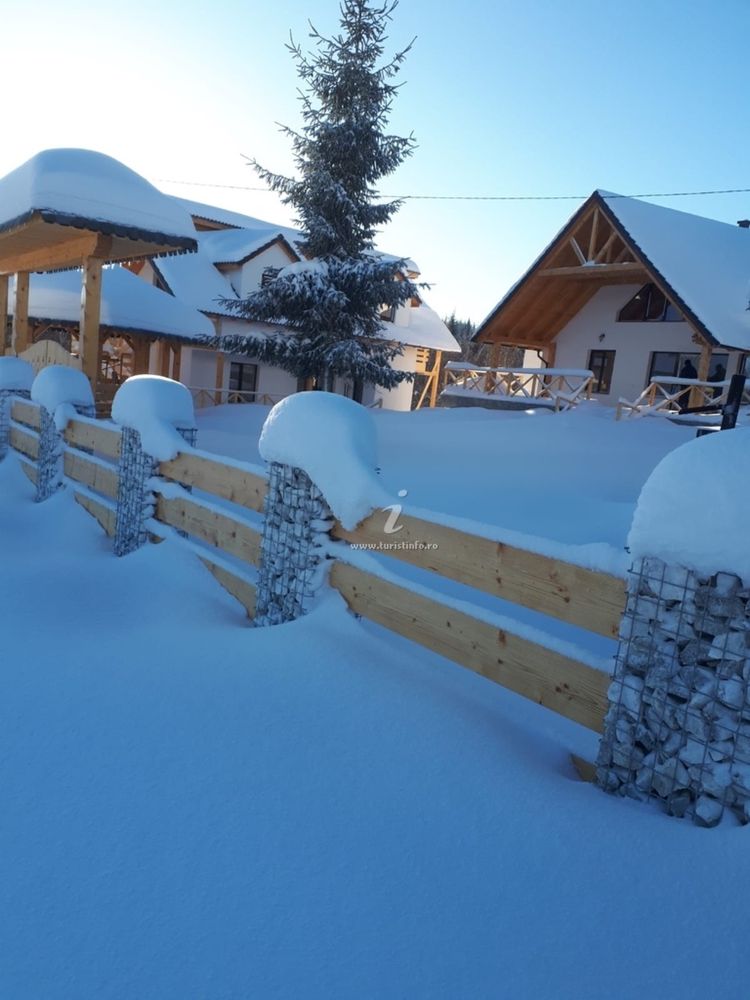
{"x": 670, "y": 396}
{"x": 559, "y": 388}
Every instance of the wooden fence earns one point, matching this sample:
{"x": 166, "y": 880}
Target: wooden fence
{"x": 669, "y": 397}
{"x": 559, "y": 388}
{"x": 229, "y": 545}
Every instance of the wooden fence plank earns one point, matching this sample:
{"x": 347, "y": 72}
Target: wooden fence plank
{"x": 99, "y": 510}
{"x": 222, "y": 530}
{"x": 213, "y": 476}
{"x": 25, "y": 442}
{"x": 98, "y": 477}
{"x": 582, "y": 597}
{"x": 242, "y": 590}
{"x": 94, "y": 437}
{"x": 26, "y": 413}
{"x": 566, "y": 686}
{"x": 29, "y": 470}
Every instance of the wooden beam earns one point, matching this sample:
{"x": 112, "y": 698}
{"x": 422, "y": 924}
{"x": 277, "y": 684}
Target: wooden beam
{"x": 91, "y": 297}
{"x": 604, "y": 254}
{"x": 219, "y": 377}
{"x": 97, "y": 476}
{"x": 242, "y": 590}
{"x": 24, "y": 441}
{"x": 26, "y": 413}
{"x": 101, "y": 511}
{"x": 176, "y": 361}
{"x": 568, "y": 687}
{"x": 704, "y": 364}
{"x": 163, "y": 358}
{"x": 227, "y": 533}
{"x": 141, "y": 348}
{"x": 435, "y": 376}
{"x": 93, "y": 437}
{"x": 595, "y": 271}
{"x": 29, "y": 470}
{"x": 71, "y": 253}
{"x": 577, "y": 250}
{"x": 211, "y": 475}
{"x": 3, "y": 310}
{"x": 583, "y": 597}
{"x": 594, "y": 234}
{"x": 21, "y": 337}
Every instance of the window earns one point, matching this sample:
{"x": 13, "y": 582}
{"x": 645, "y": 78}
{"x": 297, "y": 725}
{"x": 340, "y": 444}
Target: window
{"x": 669, "y": 364}
{"x": 269, "y": 274}
{"x": 242, "y": 377}
{"x": 601, "y": 364}
{"x": 649, "y": 305}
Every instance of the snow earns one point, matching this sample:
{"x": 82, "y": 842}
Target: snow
{"x": 425, "y": 329}
{"x": 92, "y": 188}
{"x": 692, "y": 510}
{"x": 59, "y": 390}
{"x": 128, "y": 304}
{"x": 233, "y": 246}
{"x": 15, "y": 374}
{"x": 706, "y": 263}
{"x": 156, "y": 407}
{"x": 193, "y": 279}
{"x": 320, "y": 810}
{"x": 333, "y": 440}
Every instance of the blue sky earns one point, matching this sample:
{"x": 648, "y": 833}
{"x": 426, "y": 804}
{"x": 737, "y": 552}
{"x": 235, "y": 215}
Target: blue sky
{"x": 542, "y": 97}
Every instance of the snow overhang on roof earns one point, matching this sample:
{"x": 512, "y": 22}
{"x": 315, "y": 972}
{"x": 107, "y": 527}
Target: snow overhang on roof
{"x": 129, "y": 305}
{"x": 193, "y": 279}
{"x": 425, "y": 329}
{"x": 237, "y": 246}
{"x": 65, "y": 204}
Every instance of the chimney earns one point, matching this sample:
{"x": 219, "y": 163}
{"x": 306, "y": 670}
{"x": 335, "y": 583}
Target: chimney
{"x": 744, "y": 223}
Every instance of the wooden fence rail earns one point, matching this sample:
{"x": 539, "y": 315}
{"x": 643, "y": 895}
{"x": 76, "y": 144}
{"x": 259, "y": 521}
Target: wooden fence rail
{"x": 226, "y": 541}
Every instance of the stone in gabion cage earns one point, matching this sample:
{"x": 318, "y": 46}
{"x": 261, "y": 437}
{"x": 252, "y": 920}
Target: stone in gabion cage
{"x": 50, "y": 457}
{"x": 678, "y": 724}
{"x": 297, "y": 519}
{"x": 6, "y": 401}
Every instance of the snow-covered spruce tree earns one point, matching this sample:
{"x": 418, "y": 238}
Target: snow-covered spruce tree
{"x": 331, "y": 302}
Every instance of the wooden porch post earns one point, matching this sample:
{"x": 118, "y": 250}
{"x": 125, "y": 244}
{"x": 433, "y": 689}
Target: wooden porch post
{"x": 164, "y": 358}
{"x": 91, "y": 299}
{"x": 21, "y": 313}
{"x": 435, "y": 380}
{"x": 141, "y": 353}
{"x": 3, "y": 310}
{"x": 219, "y": 378}
{"x": 176, "y": 359}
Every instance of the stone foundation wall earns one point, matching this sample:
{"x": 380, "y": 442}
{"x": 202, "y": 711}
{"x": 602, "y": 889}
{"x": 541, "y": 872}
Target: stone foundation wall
{"x": 678, "y": 725}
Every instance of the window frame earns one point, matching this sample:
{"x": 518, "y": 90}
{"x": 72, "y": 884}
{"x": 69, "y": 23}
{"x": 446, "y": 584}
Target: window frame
{"x": 605, "y": 372}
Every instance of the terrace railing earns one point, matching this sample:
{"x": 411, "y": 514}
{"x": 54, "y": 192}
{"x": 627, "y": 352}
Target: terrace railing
{"x": 669, "y": 397}
{"x": 204, "y": 396}
{"x": 558, "y": 388}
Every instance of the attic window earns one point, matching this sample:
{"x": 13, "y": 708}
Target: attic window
{"x": 649, "y": 305}
{"x": 269, "y": 274}
{"x": 388, "y": 314}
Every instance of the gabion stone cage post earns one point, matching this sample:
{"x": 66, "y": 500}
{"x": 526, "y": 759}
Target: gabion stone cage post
{"x": 296, "y": 525}
{"x": 135, "y": 498}
{"x": 50, "y": 470}
{"x": 6, "y": 400}
{"x": 678, "y": 724}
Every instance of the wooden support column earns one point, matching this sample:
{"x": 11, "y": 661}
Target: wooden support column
{"x": 91, "y": 299}
{"x": 3, "y": 310}
{"x": 219, "y": 378}
{"x": 21, "y": 334}
{"x": 435, "y": 380}
{"x": 141, "y": 355}
{"x": 176, "y": 359}
{"x": 164, "y": 358}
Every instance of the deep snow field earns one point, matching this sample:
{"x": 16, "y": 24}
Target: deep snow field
{"x": 196, "y": 809}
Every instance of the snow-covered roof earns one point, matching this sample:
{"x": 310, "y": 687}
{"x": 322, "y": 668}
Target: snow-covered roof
{"x": 706, "y": 263}
{"x": 128, "y": 304}
{"x": 193, "y": 279}
{"x": 234, "y": 246}
{"x": 199, "y": 210}
{"x": 425, "y": 329}
{"x": 88, "y": 190}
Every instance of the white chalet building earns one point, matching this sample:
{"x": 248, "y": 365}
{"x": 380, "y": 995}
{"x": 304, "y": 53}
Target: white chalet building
{"x": 632, "y": 291}
{"x": 234, "y": 253}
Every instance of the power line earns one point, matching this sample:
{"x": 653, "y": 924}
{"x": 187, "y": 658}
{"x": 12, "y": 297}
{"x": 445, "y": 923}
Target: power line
{"x": 480, "y": 197}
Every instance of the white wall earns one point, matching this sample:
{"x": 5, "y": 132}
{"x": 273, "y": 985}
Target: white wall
{"x": 251, "y": 273}
{"x": 633, "y": 343}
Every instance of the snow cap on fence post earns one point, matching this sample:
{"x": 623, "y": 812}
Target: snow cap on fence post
{"x": 678, "y": 724}
{"x": 158, "y": 420}
{"x": 62, "y": 393}
{"x": 16, "y": 377}
{"x": 322, "y": 450}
